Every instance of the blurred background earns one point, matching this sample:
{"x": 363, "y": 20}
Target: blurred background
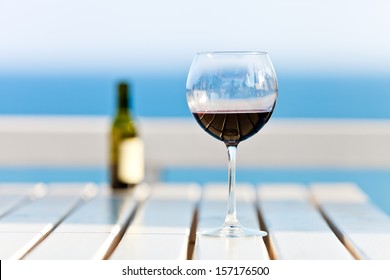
{"x": 64, "y": 58}
{"x": 332, "y": 57}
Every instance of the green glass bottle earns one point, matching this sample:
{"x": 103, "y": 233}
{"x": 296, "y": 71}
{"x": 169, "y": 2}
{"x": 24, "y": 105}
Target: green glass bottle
{"x": 127, "y": 152}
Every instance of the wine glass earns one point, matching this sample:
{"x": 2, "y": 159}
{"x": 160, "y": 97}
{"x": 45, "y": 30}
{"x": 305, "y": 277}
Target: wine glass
{"x": 232, "y": 96}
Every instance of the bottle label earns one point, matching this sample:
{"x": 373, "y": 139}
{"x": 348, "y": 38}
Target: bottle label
{"x": 131, "y": 161}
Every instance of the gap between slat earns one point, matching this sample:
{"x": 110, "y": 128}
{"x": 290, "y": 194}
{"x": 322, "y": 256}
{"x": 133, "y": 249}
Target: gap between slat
{"x": 85, "y": 195}
{"x": 313, "y": 222}
{"x": 192, "y": 237}
{"x": 263, "y": 226}
{"x": 333, "y": 227}
{"x": 144, "y": 224}
{"x": 77, "y": 205}
{"x": 118, "y": 237}
{"x": 27, "y": 194}
{"x": 336, "y": 231}
{"x": 347, "y": 194}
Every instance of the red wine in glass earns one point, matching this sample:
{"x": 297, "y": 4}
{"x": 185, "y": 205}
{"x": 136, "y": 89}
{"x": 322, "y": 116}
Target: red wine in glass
{"x": 232, "y": 127}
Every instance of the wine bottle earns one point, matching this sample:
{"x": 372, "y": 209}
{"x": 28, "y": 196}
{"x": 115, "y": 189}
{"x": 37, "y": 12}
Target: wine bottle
{"x": 127, "y": 151}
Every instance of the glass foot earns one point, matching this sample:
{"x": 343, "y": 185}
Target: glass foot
{"x": 232, "y": 231}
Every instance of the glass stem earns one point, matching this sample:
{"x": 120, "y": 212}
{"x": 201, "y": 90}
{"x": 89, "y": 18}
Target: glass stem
{"x": 231, "y": 217}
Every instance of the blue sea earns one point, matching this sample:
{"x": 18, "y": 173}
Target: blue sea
{"x": 305, "y": 96}
{"x": 300, "y": 96}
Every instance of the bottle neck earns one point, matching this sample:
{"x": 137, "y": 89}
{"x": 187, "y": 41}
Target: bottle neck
{"x": 123, "y": 102}
{"x": 123, "y": 98}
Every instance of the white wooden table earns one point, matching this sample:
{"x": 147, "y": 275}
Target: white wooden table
{"x": 78, "y": 221}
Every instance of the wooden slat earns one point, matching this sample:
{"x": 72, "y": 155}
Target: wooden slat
{"x": 152, "y": 246}
{"x": 36, "y": 220}
{"x": 69, "y": 246}
{"x": 161, "y": 228}
{"x": 13, "y": 195}
{"x": 91, "y": 231}
{"x": 363, "y": 228}
{"x": 13, "y": 242}
{"x": 7, "y": 203}
{"x": 212, "y": 212}
{"x": 296, "y": 229}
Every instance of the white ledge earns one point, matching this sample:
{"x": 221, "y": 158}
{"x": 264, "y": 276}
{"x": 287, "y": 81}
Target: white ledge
{"x": 83, "y": 141}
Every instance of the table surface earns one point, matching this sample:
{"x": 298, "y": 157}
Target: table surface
{"x": 84, "y": 221}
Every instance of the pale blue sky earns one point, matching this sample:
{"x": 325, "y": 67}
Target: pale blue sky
{"x": 150, "y": 35}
